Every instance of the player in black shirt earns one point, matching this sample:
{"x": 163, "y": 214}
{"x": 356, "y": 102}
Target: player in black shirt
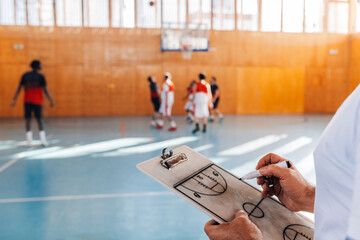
{"x": 216, "y": 98}
{"x": 34, "y": 85}
{"x": 155, "y": 99}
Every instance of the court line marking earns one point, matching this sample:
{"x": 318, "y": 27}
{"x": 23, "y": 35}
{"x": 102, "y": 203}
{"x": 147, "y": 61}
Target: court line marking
{"x": 23, "y": 155}
{"x": 80, "y": 197}
{"x": 11, "y": 162}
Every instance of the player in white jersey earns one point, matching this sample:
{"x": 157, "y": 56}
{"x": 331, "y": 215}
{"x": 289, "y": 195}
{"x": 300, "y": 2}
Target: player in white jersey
{"x": 203, "y": 101}
{"x": 167, "y": 101}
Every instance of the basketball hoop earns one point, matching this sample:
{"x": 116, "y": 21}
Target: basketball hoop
{"x": 186, "y": 46}
{"x": 186, "y": 50}
{"x": 184, "y": 37}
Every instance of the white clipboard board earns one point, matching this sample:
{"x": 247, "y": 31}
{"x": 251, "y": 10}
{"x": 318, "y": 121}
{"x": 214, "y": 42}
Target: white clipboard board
{"x": 220, "y": 194}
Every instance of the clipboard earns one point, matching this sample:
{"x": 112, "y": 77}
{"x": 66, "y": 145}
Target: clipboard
{"x": 220, "y": 194}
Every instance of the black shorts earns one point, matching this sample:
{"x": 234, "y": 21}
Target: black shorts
{"x": 216, "y": 103}
{"x": 156, "y": 103}
{"x": 29, "y": 108}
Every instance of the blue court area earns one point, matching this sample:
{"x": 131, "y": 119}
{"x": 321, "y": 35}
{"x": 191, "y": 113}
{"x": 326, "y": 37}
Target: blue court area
{"x": 85, "y": 184}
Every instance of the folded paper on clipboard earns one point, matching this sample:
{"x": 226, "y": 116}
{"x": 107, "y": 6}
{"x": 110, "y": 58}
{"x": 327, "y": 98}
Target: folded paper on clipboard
{"x": 220, "y": 194}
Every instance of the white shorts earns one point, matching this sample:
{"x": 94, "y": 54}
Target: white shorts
{"x": 166, "y": 105}
{"x": 189, "y": 106}
{"x": 201, "y": 105}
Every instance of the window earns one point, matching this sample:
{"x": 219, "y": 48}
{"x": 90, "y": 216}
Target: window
{"x": 338, "y": 17}
{"x": 174, "y": 13}
{"x": 47, "y": 12}
{"x": 96, "y": 13}
{"x": 271, "y": 16}
{"x": 123, "y": 13}
{"x": 69, "y": 13}
{"x": 33, "y": 12}
{"x": 293, "y": 15}
{"x": 223, "y": 14}
{"x": 200, "y": 13}
{"x": 147, "y": 14}
{"x": 7, "y": 12}
{"x": 20, "y": 12}
{"x": 357, "y": 24}
{"x": 314, "y": 16}
{"x": 247, "y": 15}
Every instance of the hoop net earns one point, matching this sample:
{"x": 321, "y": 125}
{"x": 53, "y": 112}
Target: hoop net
{"x": 187, "y": 47}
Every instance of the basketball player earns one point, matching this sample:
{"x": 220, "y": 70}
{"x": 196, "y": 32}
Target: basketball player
{"x": 167, "y": 101}
{"x": 215, "y": 92}
{"x": 189, "y": 106}
{"x": 155, "y": 99}
{"x": 34, "y": 84}
{"x": 203, "y": 101}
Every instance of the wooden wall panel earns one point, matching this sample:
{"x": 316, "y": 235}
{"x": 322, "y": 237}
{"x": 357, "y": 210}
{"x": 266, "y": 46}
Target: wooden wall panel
{"x": 123, "y": 93}
{"x": 278, "y": 90}
{"x": 11, "y": 79}
{"x": 68, "y": 94}
{"x": 9, "y": 55}
{"x": 354, "y": 72}
{"x": 70, "y": 52}
{"x": 93, "y": 72}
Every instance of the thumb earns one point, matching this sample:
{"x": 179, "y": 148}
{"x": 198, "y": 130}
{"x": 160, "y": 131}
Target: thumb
{"x": 274, "y": 171}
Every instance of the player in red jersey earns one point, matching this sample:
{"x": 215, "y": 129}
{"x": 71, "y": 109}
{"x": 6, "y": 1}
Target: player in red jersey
{"x": 34, "y": 84}
{"x": 167, "y": 101}
{"x": 203, "y": 101}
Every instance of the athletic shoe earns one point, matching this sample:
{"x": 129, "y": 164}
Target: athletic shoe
{"x": 153, "y": 123}
{"x": 172, "y": 129}
{"x": 195, "y": 130}
{"x": 204, "y": 129}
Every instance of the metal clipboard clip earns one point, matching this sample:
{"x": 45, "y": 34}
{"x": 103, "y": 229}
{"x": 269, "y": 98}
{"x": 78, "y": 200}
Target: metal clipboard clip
{"x": 170, "y": 161}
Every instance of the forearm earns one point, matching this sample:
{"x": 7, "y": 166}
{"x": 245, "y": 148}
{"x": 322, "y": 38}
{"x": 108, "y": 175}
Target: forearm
{"x": 309, "y": 200}
{"x": 17, "y": 93}
{"x": 216, "y": 95}
{"x": 48, "y": 94}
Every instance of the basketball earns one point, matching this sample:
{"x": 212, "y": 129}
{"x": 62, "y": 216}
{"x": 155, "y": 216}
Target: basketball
{"x": 151, "y": 3}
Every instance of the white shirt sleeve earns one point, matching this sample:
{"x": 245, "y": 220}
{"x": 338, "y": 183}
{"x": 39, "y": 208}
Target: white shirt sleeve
{"x": 165, "y": 88}
{"x": 354, "y": 220}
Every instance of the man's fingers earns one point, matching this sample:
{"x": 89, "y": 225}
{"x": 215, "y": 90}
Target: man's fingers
{"x": 265, "y": 187}
{"x": 210, "y": 223}
{"x": 274, "y": 171}
{"x": 269, "y": 159}
{"x": 240, "y": 213}
{"x": 260, "y": 180}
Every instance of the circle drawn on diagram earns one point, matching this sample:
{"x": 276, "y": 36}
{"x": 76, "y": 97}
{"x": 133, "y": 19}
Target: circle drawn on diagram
{"x": 253, "y": 210}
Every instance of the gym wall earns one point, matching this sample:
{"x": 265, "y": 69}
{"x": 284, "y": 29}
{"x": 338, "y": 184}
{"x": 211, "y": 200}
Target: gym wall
{"x": 103, "y": 72}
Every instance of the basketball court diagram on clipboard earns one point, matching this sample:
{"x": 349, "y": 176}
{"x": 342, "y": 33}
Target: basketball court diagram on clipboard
{"x": 220, "y": 194}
